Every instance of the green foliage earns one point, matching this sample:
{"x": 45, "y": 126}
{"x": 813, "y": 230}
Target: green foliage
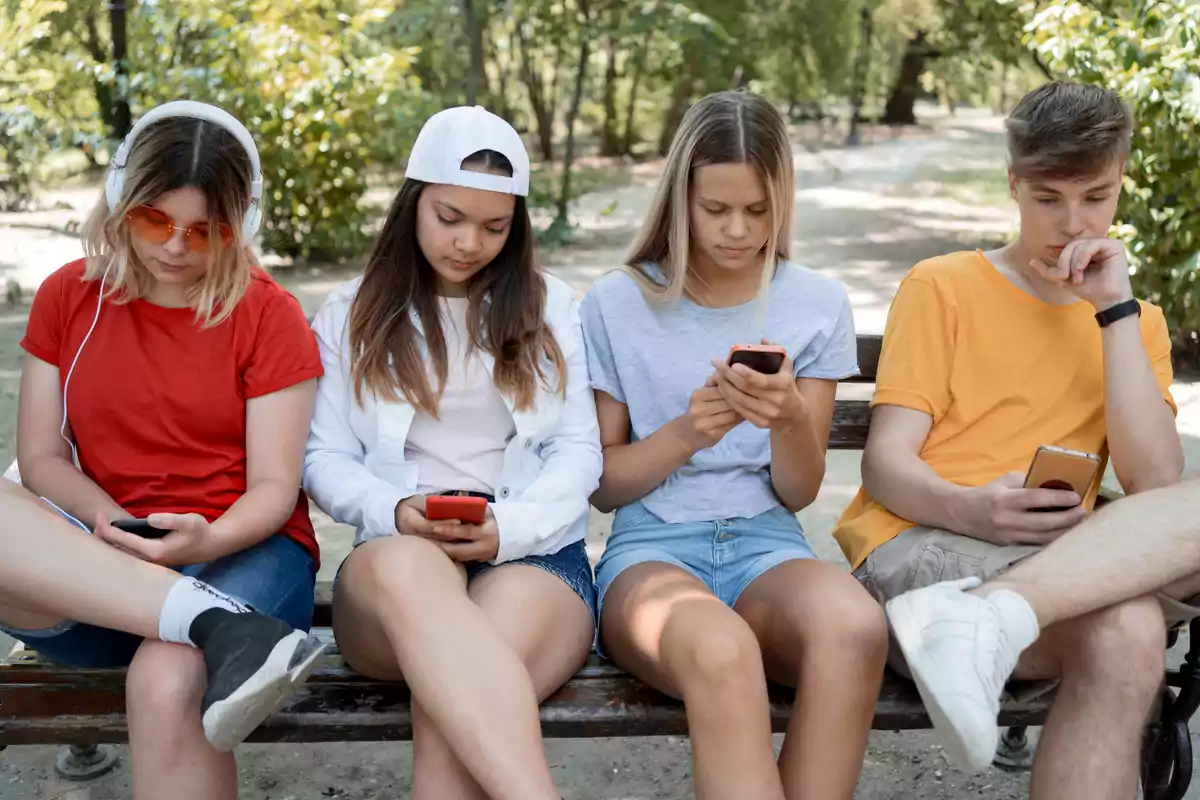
{"x": 1147, "y": 51}
{"x": 323, "y": 99}
{"x": 805, "y": 47}
{"x": 25, "y": 82}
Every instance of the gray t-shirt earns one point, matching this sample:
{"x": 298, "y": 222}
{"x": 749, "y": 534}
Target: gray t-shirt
{"x": 652, "y": 359}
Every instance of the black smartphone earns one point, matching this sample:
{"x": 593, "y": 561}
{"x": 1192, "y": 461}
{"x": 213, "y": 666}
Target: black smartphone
{"x": 140, "y": 527}
{"x": 764, "y": 358}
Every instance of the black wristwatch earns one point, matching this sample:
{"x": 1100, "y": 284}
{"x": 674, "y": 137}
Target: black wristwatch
{"x": 1120, "y": 311}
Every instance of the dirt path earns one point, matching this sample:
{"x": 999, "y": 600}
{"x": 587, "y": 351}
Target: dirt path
{"x": 864, "y": 216}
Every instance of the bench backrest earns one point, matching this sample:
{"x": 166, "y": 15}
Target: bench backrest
{"x": 852, "y": 418}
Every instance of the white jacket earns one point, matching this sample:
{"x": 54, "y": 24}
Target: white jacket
{"x": 354, "y": 467}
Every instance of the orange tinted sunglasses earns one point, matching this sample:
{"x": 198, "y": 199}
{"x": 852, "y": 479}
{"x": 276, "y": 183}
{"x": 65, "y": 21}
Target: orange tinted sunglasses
{"x": 157, "y": 227}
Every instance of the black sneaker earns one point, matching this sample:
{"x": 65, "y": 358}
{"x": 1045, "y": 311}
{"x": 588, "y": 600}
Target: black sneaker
{"x": 254, "y": 664}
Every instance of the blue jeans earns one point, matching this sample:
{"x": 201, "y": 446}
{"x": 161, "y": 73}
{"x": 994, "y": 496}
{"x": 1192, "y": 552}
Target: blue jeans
{"x": 275, "y": 576}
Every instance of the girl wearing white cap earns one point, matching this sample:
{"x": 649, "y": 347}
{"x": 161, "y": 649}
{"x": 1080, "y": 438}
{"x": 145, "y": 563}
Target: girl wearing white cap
{"x": 455, "y": 429}
{"x": 165, "y": 398}
{"x": 707, "y": 584}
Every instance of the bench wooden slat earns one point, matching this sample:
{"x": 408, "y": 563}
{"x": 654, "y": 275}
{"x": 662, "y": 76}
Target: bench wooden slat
{"x": 851, "y": 421}
{"x": 47, "y": 704}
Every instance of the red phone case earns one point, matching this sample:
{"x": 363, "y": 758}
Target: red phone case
{"x": 464, "y": 509}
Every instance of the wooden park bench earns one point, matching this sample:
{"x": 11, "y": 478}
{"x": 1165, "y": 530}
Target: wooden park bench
{"x": 41, "y": 703}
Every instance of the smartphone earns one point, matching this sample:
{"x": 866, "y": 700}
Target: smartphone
{"x": 472, "y": 510}
{"x": 140, "y": 527}
{"x": 1060, "y": 468}
{"x": 764, "y": 358}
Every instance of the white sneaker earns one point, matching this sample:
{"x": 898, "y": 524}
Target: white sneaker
{"x": 961, "y": 649}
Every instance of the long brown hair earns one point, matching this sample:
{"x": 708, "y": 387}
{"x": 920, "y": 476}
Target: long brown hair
{"x": 174, "y": 153}
{"x": 505, "y": 316}
{"x": 723, "y": 128}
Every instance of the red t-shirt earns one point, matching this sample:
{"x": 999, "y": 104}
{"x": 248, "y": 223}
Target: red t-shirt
{"x": 158, "y": 404}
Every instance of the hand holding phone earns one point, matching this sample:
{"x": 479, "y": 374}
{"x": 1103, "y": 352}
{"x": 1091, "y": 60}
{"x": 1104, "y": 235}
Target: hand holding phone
{"x": 763, "y": 391}
{"x": 1062, "y": 469}
{"x": 140, "y": 527}
{"x": 471, "y": 510}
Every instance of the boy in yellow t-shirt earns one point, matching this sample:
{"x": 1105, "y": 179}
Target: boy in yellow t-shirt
{"x": 986, "y": 356}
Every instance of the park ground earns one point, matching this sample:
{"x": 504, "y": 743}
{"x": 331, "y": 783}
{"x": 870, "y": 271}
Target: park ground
{"x": 864, "y": 216}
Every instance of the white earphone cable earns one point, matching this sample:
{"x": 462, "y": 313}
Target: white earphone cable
{"x": 62, "y": 431}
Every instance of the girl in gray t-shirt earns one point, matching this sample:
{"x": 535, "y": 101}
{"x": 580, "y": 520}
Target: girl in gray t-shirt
{"x": 707, "y": 585}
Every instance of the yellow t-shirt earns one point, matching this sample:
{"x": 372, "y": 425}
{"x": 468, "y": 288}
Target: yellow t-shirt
{"x": 1000, "y": 371}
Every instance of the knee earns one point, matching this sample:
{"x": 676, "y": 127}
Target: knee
{"x": 164, "y": 688}
{"x": 852, "y": 625}
{"x": 1125, "y": 643}
{"x": 406, "y": 567}
{"x": 721, "y": 651}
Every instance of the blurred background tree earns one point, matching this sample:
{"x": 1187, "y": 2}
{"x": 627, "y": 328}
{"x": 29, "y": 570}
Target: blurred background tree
{"x": 335, "y": 90}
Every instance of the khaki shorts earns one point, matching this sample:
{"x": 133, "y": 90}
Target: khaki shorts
{"x": 920, "y": 557}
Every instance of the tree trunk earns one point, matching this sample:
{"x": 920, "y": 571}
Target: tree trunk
{"x": 681, "y": 95}
{"x": 1002, "y": 105}
{"x": 610, "y": 143}
{"x": 500, "y": 101}
{"x": 858, "y": 88}
{"x": 477, "y": 83}
{"x": 537, "y": 101}
{"x": 122, "y": 118}
{"x": 105, "y": 96}
{"x": 639, "y": 66}
{"x": 552, "y": 103}
{"x": 900, "y": 105}
{"x": 564, "y": 197}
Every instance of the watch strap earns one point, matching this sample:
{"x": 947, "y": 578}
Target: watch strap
{"x": 1120, "y": 311}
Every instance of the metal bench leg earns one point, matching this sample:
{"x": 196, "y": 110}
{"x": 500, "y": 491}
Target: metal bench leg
{"x": 1014, "y": 753}
{"x": 83, "y": 762}
{"x": 1167, "y": 753}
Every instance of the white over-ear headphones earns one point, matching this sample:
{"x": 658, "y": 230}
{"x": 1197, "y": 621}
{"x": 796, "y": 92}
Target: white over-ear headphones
{"x": 115, "y": 184}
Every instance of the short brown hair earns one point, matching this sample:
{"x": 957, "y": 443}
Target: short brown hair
{"x": 1067, "y": 130}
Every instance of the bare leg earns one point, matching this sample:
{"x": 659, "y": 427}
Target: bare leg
{"x": 822, "y": 633}
{"x": 51, "y": 571}
{"x": 547, "y": 625}
{"x": 664, "y": 626}
{"x": 1128, "y": 549}
{"x": 169, "y": 753}
{"x": 401, "y": 609}
{"x": 1110, "y": 663}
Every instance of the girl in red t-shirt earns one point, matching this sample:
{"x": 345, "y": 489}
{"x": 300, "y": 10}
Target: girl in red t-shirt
{"x": 180, "y": 378}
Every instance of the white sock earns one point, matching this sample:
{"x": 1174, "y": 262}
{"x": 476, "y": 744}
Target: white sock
{"x": 1020, "y": 623}
{"x": 188, "y": 599}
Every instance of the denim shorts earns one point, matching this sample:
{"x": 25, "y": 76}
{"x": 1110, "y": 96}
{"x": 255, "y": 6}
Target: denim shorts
{"x": 570, "y": 565}
{"x": 275, "y": 576}
{"x": 726, "y": 555}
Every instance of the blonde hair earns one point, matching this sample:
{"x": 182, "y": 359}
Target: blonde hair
{"x": 722, "y": 128}
{"x": 175, "y": 153}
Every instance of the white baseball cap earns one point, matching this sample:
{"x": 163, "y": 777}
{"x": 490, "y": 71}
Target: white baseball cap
{"x": 450, "y": 136}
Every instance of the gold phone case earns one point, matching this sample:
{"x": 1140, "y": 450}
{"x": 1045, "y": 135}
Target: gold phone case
{"x": 1061, "y": 468}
